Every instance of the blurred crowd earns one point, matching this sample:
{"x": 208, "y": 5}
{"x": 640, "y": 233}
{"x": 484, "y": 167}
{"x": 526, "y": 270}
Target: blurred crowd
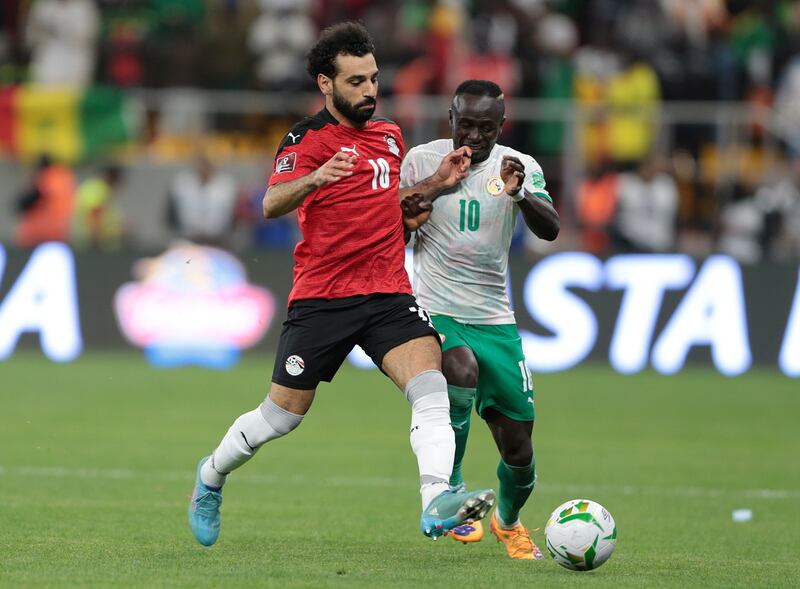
{"x": 618, "y": 62}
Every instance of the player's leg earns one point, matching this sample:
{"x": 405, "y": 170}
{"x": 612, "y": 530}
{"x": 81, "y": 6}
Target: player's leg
{"x": 516, "y": 472}
{"x": 517, "y": 467}
{"x": 460, "y": 369}
{"x": 310, "y": 349}
{"x": 280, "y": 413}
{"x": 506, "y": 403}
{"x": 402, "y": 341}
{"x": 414, "y": 366}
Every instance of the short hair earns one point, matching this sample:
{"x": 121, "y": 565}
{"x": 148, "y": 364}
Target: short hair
{"x": 348, "y": 38}
{"x": 479, "y": 88}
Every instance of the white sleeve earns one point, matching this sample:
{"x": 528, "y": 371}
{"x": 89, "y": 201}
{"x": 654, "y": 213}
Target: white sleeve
{"x": 534, "y": 179}
{"x": 408, "y": 170}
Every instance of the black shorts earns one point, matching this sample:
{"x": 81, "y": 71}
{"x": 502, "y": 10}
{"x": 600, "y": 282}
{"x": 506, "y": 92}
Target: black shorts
{"x": 318, "y": 334}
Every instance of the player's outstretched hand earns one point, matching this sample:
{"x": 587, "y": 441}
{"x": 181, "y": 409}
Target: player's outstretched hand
{"x": 338, "y": 167}
{"x": 513, "y": 174}
{"x": 416, "y": 210}
{"x": 454, "y": 167}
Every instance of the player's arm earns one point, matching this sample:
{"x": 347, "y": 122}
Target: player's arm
{"x": 452, "y": 170}
{"x": 416, "y": 200}
{"x": 285, "y": 197}
{"x": 538, "y": 212}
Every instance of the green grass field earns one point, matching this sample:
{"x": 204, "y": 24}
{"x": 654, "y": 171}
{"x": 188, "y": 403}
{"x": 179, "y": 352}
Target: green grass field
{"x": 97, "y": 459}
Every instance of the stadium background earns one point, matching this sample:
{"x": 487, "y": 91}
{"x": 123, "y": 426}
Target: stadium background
{"x": 669, "y": 128}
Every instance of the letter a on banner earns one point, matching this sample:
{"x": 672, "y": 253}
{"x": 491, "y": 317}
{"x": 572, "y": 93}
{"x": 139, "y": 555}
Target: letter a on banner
{"x": 711, "y": 313}
{"x": 44, "y": 300}
{"x": 789, "y": 359}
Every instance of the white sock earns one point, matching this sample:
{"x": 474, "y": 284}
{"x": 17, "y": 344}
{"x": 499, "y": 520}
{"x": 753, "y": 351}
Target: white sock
{"x": 247, "y": 434}
{"x": 431, "y": 490}
{"x": 432, "y": 437}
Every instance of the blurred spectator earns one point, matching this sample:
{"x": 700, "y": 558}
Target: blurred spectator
{"x": 46, "y": 207}
{"x": 62, "y": 36}
{"x": 780, "y": 206}
{"x": 595, "y": 64}
{"x": 98, "y": 223}
{"x": 596, "y": 207}
{"x": 787, "y": 105}
{"x": 280, "y": 38}
{"x": 556, "y": 39}
{"x": 281, "y": 233}
{"x": 201, "y": 204}
{"x": 741, "y": 222}
{"x": 632, "y": 95}
{"x": 173, "y": 50}
{"x": 647, "y": 209}
{"x": 226, "y": 60}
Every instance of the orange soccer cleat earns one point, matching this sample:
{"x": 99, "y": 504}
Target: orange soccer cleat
{"x": 467, "y": 532}
{"x": 517, "y": 541}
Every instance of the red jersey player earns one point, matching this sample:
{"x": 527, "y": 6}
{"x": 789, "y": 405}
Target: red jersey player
{"x": 340, "y": 169}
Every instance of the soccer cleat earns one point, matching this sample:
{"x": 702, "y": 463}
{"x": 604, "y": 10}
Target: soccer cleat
{"x": 204, "y": 510}
{"x": 467, "y": 533}
{"x": 455, "y": 507}
{"x": 517, "y": 541}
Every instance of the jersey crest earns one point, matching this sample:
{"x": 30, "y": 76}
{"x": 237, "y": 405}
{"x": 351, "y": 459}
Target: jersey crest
{"x": 391, "y": 143}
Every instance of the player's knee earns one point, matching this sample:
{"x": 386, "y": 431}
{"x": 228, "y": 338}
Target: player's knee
{"x": 275, "y": 423}
{"x": 429, "y": 385}
{"x": 460, "y": 369}
{"x": 518, "y": 451}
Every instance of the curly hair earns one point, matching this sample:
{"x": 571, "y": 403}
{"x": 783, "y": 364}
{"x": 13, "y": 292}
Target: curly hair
{"x": 348, "y": 38}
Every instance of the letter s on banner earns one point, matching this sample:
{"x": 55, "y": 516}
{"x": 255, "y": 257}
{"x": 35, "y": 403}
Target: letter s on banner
{"x": 550, "y": 303}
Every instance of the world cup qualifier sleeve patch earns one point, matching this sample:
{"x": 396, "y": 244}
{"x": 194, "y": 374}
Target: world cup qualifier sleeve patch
{"x": 285, "y": 163}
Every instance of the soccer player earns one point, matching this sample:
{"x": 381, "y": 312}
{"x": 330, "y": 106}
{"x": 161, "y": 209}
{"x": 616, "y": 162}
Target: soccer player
{"x": 460, "y": 273}
{"x": 341, "y": 170}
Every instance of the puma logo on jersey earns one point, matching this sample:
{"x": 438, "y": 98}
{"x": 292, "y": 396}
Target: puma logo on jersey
{"x": 294, "y": 137}
{"x": 350, "y": 150}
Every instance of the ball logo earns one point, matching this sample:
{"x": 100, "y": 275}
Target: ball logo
{"x": 295, "y": 365}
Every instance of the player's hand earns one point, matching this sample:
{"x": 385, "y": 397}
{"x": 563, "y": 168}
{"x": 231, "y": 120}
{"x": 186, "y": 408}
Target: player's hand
{"x": 416, "y": 211}
{"x": 454, "y": 167}
{"x": 338, "y": 167}
{"x": 513, "y": 174}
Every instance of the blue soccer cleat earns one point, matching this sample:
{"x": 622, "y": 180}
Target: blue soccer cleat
{"x": 453, "y": 508}
{"x": 204, "y": 510}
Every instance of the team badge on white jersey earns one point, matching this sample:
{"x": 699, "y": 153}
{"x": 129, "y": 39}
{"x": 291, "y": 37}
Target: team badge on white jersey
{"x": 295, "y": 365}
{"x": 495, "y": 186}
{"x": 392, "y": 144}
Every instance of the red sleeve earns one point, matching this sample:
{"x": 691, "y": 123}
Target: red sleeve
{"x": 295, "y": 160}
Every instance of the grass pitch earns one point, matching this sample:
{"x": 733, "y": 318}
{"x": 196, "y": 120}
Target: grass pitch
{"x": 97, "y": 459}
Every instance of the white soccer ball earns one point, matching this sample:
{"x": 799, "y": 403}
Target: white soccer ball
{"x": 581, "y": 534}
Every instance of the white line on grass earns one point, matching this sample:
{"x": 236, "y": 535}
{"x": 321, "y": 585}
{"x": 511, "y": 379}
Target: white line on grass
{"x": 360, "y": 481}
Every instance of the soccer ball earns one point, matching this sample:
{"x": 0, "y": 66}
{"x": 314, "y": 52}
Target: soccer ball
{"x": 581, "y": 535}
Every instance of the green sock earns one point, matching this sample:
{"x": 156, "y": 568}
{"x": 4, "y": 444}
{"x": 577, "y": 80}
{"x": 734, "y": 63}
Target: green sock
{"x": 516, "y": 485}
{"x": 460, "y": 411}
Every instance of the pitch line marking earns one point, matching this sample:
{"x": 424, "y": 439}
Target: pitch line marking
{"x": 356, "y": 481}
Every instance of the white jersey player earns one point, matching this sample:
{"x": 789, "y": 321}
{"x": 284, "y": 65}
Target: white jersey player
{"x": 460, "y": 270}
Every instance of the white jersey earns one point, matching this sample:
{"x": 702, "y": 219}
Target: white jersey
{"x": 461, "y": 253}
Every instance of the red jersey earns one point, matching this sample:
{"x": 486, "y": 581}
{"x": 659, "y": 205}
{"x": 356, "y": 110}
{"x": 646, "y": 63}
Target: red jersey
{"x": 352, "y": 229}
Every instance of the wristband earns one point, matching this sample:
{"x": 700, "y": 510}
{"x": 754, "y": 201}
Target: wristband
{"x": 520, "y": 195}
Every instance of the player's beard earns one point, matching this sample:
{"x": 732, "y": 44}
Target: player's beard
{"x": 354, "y": 112}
